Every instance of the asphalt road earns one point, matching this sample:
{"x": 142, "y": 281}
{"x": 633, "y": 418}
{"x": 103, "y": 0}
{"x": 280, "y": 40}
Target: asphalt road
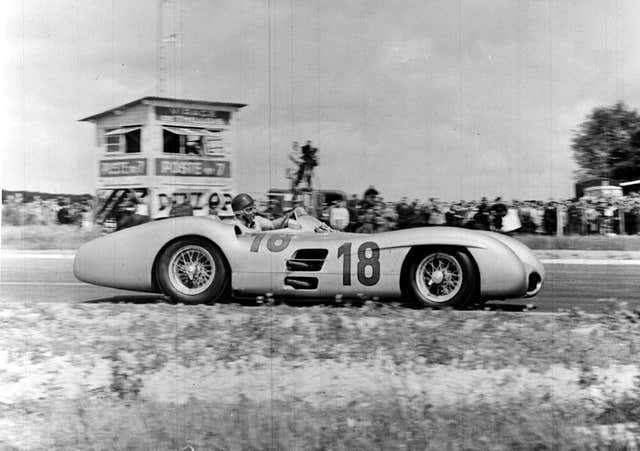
{"x": 586, "y": 286}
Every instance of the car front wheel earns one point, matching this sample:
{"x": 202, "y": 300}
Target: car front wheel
{"x": 192, "y": 271}
{"x": 442, "y": 278}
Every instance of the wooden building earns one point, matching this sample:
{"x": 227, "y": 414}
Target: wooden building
{"x": 168, "y": 151}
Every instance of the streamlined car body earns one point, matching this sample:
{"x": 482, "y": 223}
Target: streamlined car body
{"x": 201, "y": 259}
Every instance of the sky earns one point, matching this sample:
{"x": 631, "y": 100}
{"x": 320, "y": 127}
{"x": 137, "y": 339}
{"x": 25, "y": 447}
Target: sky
{"x": 455, "y": 100}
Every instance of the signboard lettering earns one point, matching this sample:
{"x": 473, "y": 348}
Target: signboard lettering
{"x": 192, "y": 115}
{"x": 119, "y": 168}
{"x": 193, "y": 168}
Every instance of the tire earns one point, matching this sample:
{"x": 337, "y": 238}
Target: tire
{"x": 192, "y": 271}
{"x": 441, "y": 277}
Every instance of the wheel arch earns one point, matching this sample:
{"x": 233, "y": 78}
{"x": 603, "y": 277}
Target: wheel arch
{"x": 421, "y": 249}
{"x": 154, "y": 279}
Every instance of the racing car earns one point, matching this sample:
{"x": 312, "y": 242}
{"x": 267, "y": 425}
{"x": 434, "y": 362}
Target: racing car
{"x": 202, "y": 260}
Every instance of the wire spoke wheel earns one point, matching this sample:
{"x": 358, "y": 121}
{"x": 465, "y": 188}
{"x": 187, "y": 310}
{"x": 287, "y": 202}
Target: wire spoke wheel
{"x": 439, "y": 277}
{"x": 192, "y": 269}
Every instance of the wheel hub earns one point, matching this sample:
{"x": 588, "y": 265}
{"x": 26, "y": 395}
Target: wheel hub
{"x": 437, "y": 277}
{"x": 192, "y": 269}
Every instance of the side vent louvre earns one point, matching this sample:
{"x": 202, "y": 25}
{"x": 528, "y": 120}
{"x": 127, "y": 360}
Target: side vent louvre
{"x": 302, "y": 283}
{"x": 307, "y": 260}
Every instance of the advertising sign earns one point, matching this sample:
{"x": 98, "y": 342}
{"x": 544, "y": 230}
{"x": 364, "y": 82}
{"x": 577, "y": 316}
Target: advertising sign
{"x": 193, "y": 168}
{"x": 192, "y": 115}
{"x": 120, "y": 168}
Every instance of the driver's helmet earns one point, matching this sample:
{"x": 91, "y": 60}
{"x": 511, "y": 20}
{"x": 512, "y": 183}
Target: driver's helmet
{"x": 242, "y": 201}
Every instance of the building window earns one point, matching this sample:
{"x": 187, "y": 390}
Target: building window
{"x": 213, "y": 144}
{"x": 193, "y": 144}
{"x": 114, "y": 143}
{"x": 123, "y": 140}
{"x": 132, "y": 141}
{"x": 192, "y": 141}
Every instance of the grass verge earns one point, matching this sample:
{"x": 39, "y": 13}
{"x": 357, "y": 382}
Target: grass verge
{"x": 591, "y": 243}
{"x": 41, "y": 237}
{"x": 159, "y": 376}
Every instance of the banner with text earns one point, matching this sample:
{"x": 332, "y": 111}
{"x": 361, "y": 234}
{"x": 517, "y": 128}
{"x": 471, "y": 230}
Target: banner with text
{"x": 193, "y": 168}
{"x": 192, "y": 115}
{"x": 119, "y": 168}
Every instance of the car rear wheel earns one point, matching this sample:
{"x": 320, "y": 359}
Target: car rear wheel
{"x": 192, "y": 271}
{"x": 442, "y": 278}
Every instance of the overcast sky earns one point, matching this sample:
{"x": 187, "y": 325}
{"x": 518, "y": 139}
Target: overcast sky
{"x": 418, "y": 98}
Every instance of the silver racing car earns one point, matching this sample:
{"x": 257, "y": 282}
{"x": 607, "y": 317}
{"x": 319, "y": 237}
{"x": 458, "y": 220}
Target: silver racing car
{"x": 201, "y": 259}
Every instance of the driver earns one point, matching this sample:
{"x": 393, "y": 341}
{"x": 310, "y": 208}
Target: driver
{"x": 244, "y": 208}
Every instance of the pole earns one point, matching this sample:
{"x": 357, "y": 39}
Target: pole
{"x": 559, "y": 219}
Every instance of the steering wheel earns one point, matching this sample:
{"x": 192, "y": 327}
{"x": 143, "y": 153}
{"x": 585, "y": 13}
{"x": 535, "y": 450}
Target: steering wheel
{"x": 322, "y": 228}
{"x": 288, "y": 215}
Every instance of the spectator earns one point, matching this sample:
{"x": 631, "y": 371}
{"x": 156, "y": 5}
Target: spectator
{"x": 183, "y": 208}
{"x": 607, "y": 219}
{"x": 164, "y": 206}
{"x": 64, "y": 215}
{"x": 511, "y": 221}
{"x": 380, "y": 223}
{"x": 436, "y": 215}
{"x": 142, "y": 208}
{"x": 369, "y": 199}
{"x": 368, "y": 222}
{"x": 482, "y": 218}
{"x": 591, "y": 217}
{"x": 225, "y": 211}
{"x": 339, "y": 216}
{"x": 86, "y": 217}
{"x": 308, "y": 161}
{"x": 125, "y": 210}
{"x": 405, "y": 212}
{"x": 636, "y": 213}
{"x": 630, "y": 217}
{"x": 498, "y": 211}
{"x": 454, "y": 216}
{"x": 353, "y": 205}
{"x": 573, "y": 218}
{"x": 550, "y": 220}
{"x": 214, "y": 203}
{"x": 470, "y": 210}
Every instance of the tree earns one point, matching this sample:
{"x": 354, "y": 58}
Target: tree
{"x": 607, "y": 144}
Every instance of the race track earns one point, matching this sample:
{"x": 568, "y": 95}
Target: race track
{"x": 48, "y": 277}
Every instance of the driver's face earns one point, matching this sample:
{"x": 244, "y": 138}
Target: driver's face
{"x": 248, "y": 213}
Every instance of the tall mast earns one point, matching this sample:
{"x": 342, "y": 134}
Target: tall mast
{"x": 169, "y": 48}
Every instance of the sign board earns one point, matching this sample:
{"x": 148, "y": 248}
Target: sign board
{"x": 193, "y": 168}
{"x": 119, "y": 168}
{"x": 192, "y": 115}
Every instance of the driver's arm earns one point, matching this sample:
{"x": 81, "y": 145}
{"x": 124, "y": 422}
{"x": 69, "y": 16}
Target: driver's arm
{"x": 267, "y": 224}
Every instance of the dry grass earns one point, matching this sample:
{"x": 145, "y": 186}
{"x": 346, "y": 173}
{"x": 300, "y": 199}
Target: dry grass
{"x": 383, "y": 424}
{"x": 39, "y": 237}
{"x": 157, "y": 376}
{"x": 591, "y": 242}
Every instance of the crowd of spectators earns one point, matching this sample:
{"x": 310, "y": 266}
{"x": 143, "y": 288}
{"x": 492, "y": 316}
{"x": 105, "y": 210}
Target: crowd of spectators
{"x": 585, "y": 216}
{"x": 371, "y": 213}
{"x": 38, "y": 211}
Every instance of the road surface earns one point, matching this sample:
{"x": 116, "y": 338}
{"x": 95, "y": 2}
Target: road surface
{"x": 48, "y": 277}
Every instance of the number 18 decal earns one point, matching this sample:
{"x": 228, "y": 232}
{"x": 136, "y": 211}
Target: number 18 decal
{"x": 372, "y": 261}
